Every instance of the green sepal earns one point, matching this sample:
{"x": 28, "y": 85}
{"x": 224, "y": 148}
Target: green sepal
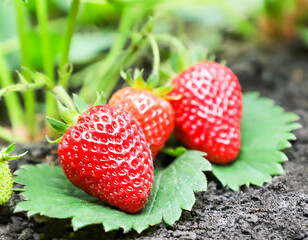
{"x": 68, "y": 115}
{"x": 134, "y": 79}
{"x": 80, "y": 104}
{"x": 57, "y": 125}
{"x": 5, "y": 151}
{"x": 100, "y": 99}
{"x": 10, "y": 148}
{"x": 163, "y": 90}
{"x": 53, "y": 141}
{"x": 165, "y": 74}
{"x": 16, "y": 157}
{"x": 153, "y": 80}
{"x": 138, "y": 79}
{"x": 211, "y": 58}
{"x": 175, "y": 152}
{"x": 127, "y": 76}
{"x": 223, "y": 62}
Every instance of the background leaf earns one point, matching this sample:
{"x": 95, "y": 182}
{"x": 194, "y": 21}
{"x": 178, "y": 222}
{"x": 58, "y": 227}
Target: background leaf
{"x": 265, "y": 131}
{"x": 49, "y": 193}
{"x": 87, "y": 46}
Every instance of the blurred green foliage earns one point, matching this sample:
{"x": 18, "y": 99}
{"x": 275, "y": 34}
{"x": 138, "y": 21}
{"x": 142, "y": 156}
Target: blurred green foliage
{"x": 108, "y": 35}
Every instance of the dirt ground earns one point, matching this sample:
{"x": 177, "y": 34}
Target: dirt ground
{"x": 279, "y": 210}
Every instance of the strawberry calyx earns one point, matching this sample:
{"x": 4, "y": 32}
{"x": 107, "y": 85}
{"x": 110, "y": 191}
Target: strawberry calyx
{"x": 135, "y": 79}
{"x": 4, "y": 153}
{"x": 71, "y": 111}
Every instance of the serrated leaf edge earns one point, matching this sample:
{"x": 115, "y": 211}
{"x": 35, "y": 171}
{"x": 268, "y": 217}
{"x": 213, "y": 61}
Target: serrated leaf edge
{"x": 20, "y": 208}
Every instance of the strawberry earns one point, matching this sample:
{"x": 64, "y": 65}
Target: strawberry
{"x": 208, "y": 114}
{"x": 107, "y": 156}
{"x": 155, "y": 114}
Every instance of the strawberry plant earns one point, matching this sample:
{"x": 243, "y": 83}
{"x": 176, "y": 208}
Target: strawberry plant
{"x": 6, "y": 181}
{"x": 107, "y": 151}
{"x": 259, "y": 158}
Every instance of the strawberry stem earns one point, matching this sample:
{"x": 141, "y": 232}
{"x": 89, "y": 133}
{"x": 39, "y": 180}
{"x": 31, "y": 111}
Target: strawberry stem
{"x": 154, "y": 76}
{"x": 63, "y": 97}
{"x": 177, "y": 44}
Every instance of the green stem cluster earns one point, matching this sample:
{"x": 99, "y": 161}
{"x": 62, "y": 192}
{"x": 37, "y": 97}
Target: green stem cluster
{"x": 12, "y": 101}
{"x": 71, "y": 23}
{"x": 29, "y": 96}
{"x": 14, "y": 106}
{"x": 104, "y": 79}
{"x": 42, "y": 16}
{"x": 110, "y": 60}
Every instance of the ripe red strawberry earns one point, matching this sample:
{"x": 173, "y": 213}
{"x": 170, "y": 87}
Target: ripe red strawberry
{"x": 155, "y": 114}
{"x": 208, "y": 115}
{"x": 106, "y": 155}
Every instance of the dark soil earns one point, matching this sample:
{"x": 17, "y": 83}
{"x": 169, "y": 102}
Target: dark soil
{"x": 279, "y": 210}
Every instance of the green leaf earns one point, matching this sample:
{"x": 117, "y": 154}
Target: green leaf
{"x": 49, "y": 193}
{"x": 53, "y": 141}
{"x": 153, "y": 80}
{"x": 265, "y": 132}
{"x": 16, "y": 157}
{"x": 59, "y": 126}
{"x": 87, "y": 46}
{"x": 80, "y": 104}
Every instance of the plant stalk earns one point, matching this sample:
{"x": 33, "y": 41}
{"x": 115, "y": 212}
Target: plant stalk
{"x": 129, "y": 57}
{"x": 177, "y": 44}
{"x": 42, "y": 16}
{"x": 110, "y": 61}
{"x": 12, "y": 102}
{"x": 156, "y": 55}
{"x": 71, "y": 23}
{"x": 29, "y": 97}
